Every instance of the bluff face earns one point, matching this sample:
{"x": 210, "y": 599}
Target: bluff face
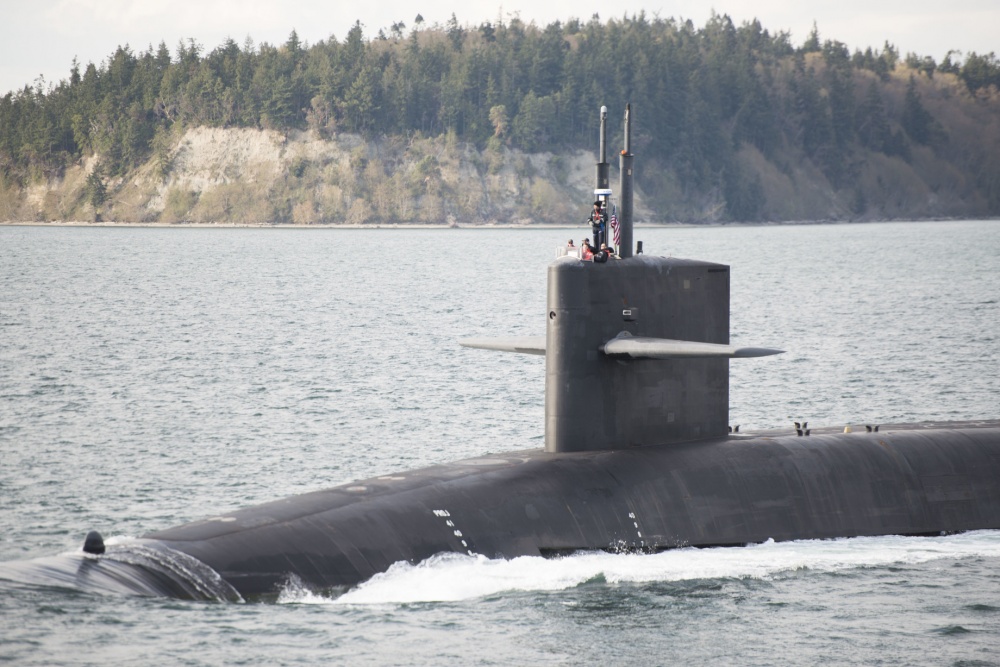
{"x": 203, "y": 174}
{"x": 242, "y": 175}
{"x": 247, "y": 176}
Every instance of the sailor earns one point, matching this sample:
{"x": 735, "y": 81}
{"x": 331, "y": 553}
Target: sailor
{"x": 603, "y": 254}
{"x": 587, "y": 252}
{"x": 595, "y": 214}
{"x": 598, "y": 222}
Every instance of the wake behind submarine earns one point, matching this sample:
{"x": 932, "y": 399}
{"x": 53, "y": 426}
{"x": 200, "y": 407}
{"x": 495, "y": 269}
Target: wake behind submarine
{"x": 638, "y": 457}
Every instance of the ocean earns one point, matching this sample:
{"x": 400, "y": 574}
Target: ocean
{"x": 152, "y": 376}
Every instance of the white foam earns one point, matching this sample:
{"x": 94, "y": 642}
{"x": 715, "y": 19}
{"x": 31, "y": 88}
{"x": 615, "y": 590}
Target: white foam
{"x": 295, "y": 592}
{"x": 452, "y": 577}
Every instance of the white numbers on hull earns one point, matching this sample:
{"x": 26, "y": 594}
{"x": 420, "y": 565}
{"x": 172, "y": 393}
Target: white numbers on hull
{"x": 450, "y": 525}
{"x": 635, "y": 524}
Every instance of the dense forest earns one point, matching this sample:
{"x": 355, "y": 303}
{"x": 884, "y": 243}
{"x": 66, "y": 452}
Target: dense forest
{"x": 722, "y": 111}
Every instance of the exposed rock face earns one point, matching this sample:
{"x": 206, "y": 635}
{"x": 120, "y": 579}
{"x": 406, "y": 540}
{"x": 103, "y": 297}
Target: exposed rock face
{"x": 262, "y": 176}
{"x": 250, "y": 176}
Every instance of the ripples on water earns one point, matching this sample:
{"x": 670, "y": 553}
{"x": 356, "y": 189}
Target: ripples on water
{"x": 152, "y": 376}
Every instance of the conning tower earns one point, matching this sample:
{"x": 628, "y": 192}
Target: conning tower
{"x": 636, "y": 349}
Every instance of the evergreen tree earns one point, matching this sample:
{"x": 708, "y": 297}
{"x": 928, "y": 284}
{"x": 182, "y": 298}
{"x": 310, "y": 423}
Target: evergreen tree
{"x": 743, "y": 193}
{"x": 870, "y": 121}
{"x": 981, "y": 71}
{"x": 535, "y": 123}
{"x": 456, "y": 34}
{"x": 916, "y": 120}
{"x": 812, "y": 43}
{"x": 96, "y": 191}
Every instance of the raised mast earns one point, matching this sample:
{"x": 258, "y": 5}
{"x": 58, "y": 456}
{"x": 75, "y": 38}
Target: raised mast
{"x": 625, "y": 190}
{"x": 603, "y": 180}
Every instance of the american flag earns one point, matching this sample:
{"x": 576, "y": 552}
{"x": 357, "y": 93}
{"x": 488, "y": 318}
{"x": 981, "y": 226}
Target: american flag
{"x": 616, "y": 230}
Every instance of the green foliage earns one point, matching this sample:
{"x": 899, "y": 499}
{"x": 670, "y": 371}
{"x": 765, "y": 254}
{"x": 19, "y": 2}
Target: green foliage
{"x": 871, "y": 122}
{"x": 163, "y": 161}
{"x": 812, "y": 41}
{"x": 95, "y": 191}
{"x": 428, "y": 167}
{"x": 880, "y": 62}
{"x": 535, "y": 125}
{"x": 916, "y": 120}
{"x": 700, "y": 94}
{"x": 925, "y": 64}
{"x": 981, "y": 71}
{"x": 743, "y": 193}
{"x": 455, "y": 33}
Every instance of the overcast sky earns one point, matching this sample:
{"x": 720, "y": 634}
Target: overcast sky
{"x": 41, "y": 37}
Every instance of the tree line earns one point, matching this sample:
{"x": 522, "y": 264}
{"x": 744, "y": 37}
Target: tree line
{"x": 701, "y": 93}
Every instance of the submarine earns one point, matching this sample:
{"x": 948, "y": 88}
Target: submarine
{"x": 638, "y": 456}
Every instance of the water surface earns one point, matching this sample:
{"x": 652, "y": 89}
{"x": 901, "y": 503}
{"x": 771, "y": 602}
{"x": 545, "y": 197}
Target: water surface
{"x": 154, "y": 376}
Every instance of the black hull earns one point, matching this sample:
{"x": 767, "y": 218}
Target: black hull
{"x": 919, "y": 479}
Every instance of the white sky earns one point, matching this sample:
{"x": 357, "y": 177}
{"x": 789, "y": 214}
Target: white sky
{"x": 41, "y": 37}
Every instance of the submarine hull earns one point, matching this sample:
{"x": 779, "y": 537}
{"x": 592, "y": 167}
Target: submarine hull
{"x": 916, "y": 479}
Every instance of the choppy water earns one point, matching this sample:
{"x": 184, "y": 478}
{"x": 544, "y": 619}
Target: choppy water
{"x": 153, "y": 376}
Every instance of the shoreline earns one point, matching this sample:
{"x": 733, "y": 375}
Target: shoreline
{"x": 403, "y": 225}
